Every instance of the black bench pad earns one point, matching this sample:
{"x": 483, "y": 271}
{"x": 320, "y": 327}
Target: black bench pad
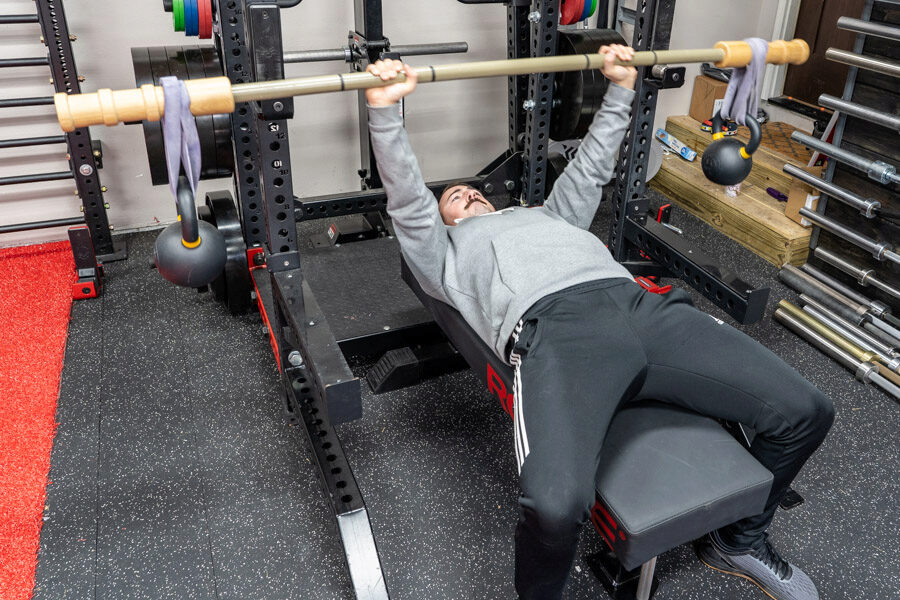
{"x": 668, "y": 475}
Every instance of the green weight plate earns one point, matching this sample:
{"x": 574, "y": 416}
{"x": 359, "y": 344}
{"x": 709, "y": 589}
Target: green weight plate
{"x": 178, "y": 14}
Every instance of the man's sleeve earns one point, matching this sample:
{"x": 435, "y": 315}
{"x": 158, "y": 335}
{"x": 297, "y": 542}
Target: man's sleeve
{"x": 578, "y": 191}
{"x": 414, "y": 209}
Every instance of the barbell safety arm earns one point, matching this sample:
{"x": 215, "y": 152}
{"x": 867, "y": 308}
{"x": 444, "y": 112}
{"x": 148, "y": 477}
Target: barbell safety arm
{"x": 217, "y": 95}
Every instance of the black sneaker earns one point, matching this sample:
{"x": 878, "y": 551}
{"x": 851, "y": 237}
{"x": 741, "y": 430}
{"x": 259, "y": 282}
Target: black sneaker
{"x": 762, "y": 565}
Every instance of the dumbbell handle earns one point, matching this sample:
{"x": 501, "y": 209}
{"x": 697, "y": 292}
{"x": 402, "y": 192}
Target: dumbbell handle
{"x": 217, "y": 94}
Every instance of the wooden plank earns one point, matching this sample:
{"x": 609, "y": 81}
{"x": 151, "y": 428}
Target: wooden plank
{"x": 753, "y": 219}
{"x": 767, "y": 164}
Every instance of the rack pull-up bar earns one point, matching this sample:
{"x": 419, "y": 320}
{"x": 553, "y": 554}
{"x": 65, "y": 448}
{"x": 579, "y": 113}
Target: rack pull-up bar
{"x": 217, "y": 95}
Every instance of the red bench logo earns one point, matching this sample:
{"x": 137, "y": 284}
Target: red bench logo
{"x": 497, "y": 387}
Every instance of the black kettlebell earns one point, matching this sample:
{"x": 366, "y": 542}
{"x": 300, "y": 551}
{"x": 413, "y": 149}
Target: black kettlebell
{"x": 190, "y": 253}
{"x": 728, "y": 161}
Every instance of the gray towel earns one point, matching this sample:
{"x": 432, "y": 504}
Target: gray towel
{"x": 742, "y": 95}
{"x": 180, "y": 134}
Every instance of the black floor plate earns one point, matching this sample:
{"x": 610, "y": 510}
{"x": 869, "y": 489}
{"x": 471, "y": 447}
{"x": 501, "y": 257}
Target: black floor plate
{"x": 174, "y": 475}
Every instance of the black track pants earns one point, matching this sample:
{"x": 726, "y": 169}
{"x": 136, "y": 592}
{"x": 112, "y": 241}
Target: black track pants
{"x": 581, "y": 352}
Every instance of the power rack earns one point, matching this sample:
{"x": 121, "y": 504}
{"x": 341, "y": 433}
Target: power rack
{"x": 320, "y": 390}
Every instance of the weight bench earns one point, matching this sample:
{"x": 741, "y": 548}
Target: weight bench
{"x": 668, "y": 475}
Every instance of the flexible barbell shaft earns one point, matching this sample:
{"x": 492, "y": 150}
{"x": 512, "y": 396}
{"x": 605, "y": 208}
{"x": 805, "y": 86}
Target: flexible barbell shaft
{"x": 878, "y": 65}
{"x": 19, "y": 102}
{"x": 217, "y": 95}
{"x": 863, "y": 276}
{"x": 878, "y": 170}
{"x": 877, "y": 308}
{"x": 35, "y": 61}
{"x": 344, "y": 54}
{"x": 884, "y": 30}
{"x": 859, "y": 111}
{"x": 865, "y": 372}
{"x": 18, "y": 19}
{"x": 41, "y": 225}
{"x": 838, "y": 340}
{"x": 879, "y": 250}
{"x": 39, "y": 177}
{"x": 866, "y": 206}
{"x": 35, "y": 141}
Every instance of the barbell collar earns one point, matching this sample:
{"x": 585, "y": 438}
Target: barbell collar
{"x": 217, "y": 95}
{"x": 888, "y": 121}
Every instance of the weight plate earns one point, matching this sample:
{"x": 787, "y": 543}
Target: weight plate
{"x": 204, "y": 7}
{"x": 588, "y": 9}
{"x": 178, "y": 14}
{"x": 221, "y": 123}
{"x": 191, "y": 18}
{"x": 233, "y": 286}
{"x": 570, "y": 11}
{"x": 577, "y": 95}
{"x": 189, "y": 58}
{"x": 149, "y": 64}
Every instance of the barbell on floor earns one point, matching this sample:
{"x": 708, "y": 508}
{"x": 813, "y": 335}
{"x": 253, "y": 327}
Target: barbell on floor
{"x": 218, "y": 95}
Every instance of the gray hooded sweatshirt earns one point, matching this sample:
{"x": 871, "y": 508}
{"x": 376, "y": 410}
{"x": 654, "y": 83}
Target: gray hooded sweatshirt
{"x": 492, "y": 268}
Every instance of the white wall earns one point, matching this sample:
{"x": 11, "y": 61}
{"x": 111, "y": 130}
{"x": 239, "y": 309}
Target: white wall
{"x": 455, "y": 127}
{"x": 702, "y": 23}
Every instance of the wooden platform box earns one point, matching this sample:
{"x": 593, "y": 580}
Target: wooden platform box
{"x": 754, "y": 219}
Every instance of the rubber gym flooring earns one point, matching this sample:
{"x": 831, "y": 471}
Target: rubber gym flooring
{"x": 174, "y": 474}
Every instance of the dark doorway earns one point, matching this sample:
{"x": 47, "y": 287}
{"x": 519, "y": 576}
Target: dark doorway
{"x": 817, "y": 24}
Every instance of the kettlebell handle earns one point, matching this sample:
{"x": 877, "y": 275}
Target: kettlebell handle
{"x": 752, "y": 124}
{"x": 187, "y": 213}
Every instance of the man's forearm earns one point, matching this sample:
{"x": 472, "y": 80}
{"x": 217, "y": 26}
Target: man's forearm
{"x": 577, "y": 193}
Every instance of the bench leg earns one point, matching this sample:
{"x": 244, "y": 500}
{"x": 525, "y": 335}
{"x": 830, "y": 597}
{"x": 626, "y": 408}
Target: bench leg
{"x": 645, "y": 583}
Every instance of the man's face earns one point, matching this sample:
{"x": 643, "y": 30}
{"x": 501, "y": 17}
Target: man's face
{"x": 461, "y": 201}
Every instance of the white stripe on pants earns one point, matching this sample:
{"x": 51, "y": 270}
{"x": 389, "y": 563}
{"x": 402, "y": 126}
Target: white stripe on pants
{"x": 521, "y": 437}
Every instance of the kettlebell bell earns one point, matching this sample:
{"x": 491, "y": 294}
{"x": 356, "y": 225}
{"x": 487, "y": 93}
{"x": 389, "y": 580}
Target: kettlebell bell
{"x": 190, "y": 253}
{"x": 728, "y": 161}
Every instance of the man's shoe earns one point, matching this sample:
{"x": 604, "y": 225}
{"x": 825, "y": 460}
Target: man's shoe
{"x": 762, "y": 565}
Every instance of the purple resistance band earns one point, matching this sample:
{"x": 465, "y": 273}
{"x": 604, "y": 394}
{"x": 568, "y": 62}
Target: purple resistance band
{"x": 742, "y": 95}
{"x": 180, "y": 135}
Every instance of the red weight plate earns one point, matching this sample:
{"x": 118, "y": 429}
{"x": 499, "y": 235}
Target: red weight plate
{"x": 204, "y": 7}
{"x": 571, "y": 11}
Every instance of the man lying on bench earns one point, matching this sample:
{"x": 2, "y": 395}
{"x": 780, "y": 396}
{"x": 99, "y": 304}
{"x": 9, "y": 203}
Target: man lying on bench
{"x": 584, "y": 338}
